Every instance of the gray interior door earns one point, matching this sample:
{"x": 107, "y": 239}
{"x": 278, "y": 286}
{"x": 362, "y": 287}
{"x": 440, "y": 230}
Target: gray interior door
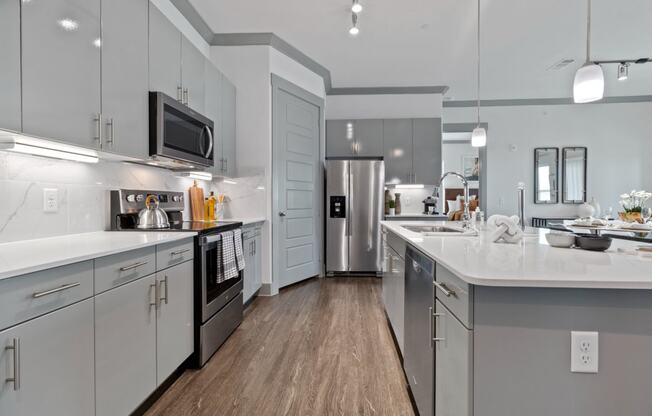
{"x": 297, "y": 170}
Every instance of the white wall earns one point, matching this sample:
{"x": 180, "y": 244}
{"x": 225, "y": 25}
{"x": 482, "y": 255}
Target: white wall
{"x": 383, "y": 106}
{"x": 618, "y": 137}
{"x": 452, "y": 153}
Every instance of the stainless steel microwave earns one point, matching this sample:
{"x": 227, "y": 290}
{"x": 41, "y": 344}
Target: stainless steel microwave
{"x": 179, "y": 137}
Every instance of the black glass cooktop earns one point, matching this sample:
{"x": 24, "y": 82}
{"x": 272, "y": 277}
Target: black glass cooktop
{"x": 204, "y": 226}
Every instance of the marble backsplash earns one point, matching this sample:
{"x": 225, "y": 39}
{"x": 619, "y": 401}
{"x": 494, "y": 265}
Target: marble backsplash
{"x": 83, "y": 194}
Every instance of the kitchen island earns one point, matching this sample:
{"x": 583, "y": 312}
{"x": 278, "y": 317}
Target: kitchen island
{"x": 498, "y": 324}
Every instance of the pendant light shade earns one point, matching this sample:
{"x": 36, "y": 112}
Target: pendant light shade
{"x": 589, "y": 84}
{"x": 479, "y": 137}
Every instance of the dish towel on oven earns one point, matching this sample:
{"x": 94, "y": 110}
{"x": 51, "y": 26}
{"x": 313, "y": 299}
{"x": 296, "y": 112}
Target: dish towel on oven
{"x": 237, "y": 241}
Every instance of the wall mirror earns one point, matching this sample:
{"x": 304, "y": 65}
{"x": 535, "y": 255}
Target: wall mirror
{"x": 574, "y": 175}
{"x": 546, "y": 175}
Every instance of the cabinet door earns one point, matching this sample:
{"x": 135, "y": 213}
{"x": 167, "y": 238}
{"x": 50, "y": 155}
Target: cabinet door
{"x": 174, "y": 321}
{"x": 124, "y": 77}
{"x": 192, "y": 75}
{"x": 368, "y": 138}
{"x": 258, "y": 261}
{"x": 250, "y": 268}
{"x": 55, "y": 371}
{"x": 228, "y": 127}
{"x": 213, "y": 110}
{"x": 398, "y": 294}
{"x": 61, "y": 70}
{"x": 453, "y": 365}
{"x": 426, "y": 142}
{"x": 10, "y": 68}
{"x": 125, "y": 347}
{"x": 397, "y": 145}
{"x": 340, "y": 138}
{"x": 164, "y": 54}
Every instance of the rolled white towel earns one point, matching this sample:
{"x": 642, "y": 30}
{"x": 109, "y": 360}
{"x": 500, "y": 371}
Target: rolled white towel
{"x": 505, "y": 229}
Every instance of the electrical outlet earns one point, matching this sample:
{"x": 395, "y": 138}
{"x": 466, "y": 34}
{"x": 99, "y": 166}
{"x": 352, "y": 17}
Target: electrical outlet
{"x": 50, "y": 200}
{"x": 584, "y": 352}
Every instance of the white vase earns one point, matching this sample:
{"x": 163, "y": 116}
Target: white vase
{"x": 596, "y": 208}
{"x": 392, "y": 211}
{"x": 586, "y": 210}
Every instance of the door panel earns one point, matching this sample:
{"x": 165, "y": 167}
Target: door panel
{"x": 337, "y": 231}
{"x": 426, "y": 142}
{"x": 339, "y": 138}
{"x": 193, "y": 75}
{"x": 61, "y": 69}
{"x": 397, "y": 138}
{"x": 125, "y": 77}
{"x": 10, "y": 68}
{"x": 369, "y": 138}
{"x": 164, "y": 54}
{"x": 56, "y": 364}
{"x": 295, "y": 117}
{"x": 366, "y": 210}
{"x": 453, "y": 382}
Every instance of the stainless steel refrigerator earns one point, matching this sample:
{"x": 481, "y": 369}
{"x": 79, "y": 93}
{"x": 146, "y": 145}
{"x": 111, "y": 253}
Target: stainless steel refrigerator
{"x": 354, "y": 208}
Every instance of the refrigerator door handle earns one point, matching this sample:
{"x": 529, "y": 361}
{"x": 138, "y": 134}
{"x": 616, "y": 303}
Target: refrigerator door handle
{"x": 348, "y": 206}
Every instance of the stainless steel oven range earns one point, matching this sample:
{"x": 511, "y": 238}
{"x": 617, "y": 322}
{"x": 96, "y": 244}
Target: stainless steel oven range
{"x": 218, "y": 306}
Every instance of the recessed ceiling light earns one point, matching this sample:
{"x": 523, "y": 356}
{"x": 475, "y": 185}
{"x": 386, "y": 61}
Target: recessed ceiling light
{"x": 68, "y": 24}
{"x": 356, "y": 7}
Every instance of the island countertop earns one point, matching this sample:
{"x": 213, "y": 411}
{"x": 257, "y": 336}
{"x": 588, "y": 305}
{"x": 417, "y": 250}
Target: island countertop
{"x": 532, "y": 262}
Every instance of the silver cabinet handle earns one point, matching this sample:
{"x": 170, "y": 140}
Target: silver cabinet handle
{"x": 436, "y": 315}
{"x": 98, "y": 128}
{"x": 180, "y": 94}
{"x": 37, "y": 295}
{"x": 15, "y": 348}
{"x": 226, "y": 165}
{"x": 111, "y": 125}
{"x": 133, "y": 266}
{"x": 179, "y": 252}
{"x": 155, "y": 287}
{"x": 186, "y": 94}
{"x": 251, "y": 248}
{"x": 430, "y": 316}
{"x": 444, "y": 289}
{"x": 255, "y": 247}
{"x": 164, "y": 297}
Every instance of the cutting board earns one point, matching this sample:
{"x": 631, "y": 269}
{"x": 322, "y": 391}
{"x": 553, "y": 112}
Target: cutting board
{"x": 196, "y": 202}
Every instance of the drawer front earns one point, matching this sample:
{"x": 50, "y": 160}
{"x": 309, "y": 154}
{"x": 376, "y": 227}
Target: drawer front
{"x": 396, "y": 243}
{"x": 118, "y": 269}
{"x": 455, "y": 294}
{"x": 176, "y": 252}
{"x": 31, "y": 295}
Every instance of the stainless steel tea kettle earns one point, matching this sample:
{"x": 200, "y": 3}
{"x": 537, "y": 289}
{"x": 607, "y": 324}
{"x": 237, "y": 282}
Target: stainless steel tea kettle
{"x": 152, "y": 216}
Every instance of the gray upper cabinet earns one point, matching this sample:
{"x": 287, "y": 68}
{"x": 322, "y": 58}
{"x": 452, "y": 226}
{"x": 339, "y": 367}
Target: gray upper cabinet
{"x": 10, "y": 68}
{"x": 192, "y": 75}
{"x": 125, "y": 77}
{"x": 61, "y": 70}
{"x": 228, "y": 130}
{"x": 164, "y": 55}
{"x": 397, "y": 137}
{"x": 339, "y": 138}
{"x": 213, "y": 110}
{"x": 368, "y": 135}
{"x": 426, "y": 150}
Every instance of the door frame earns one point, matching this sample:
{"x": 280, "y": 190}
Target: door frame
{"x": 280, "y": 84}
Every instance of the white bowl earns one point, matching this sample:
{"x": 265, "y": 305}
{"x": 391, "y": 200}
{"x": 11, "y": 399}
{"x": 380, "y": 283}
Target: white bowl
{"x": 561, "y": 240}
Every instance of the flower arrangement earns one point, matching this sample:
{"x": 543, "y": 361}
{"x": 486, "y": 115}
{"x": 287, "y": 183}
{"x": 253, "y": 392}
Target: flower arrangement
{"x": 634, "y": 201}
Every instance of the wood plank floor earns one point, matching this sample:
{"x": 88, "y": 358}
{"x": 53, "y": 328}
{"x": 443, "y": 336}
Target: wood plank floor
{"x": 321, "y": 347}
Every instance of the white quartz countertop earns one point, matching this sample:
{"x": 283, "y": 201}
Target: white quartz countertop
{"x": 21, "y": 257}
{"x": 247, "y": 221}
{"x": 532, "y": 262}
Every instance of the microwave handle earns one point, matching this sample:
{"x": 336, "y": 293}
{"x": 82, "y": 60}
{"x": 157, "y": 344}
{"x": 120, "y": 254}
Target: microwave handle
{"x": 210, "y": 144}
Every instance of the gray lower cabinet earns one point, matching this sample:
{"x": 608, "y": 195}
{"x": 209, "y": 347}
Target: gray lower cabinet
{"x": 228, "y": 130}
{"x": 61, "y": 70}
{"x": 253, "y": 261}
{"x": 426, "y": 150}
{"x": 453, "y": 365}
{"x": 192, "y": 75}
{"x": 52, "y": 364}
{"x": 174, "y": 319}
{"x": 394, "y": 293}
{"x": 350, "y": 138}
{"x": 125, "y": 77}
{"x": 397, "y": 138}
{"x": 125, "y": 346}
{"x": 164, "y": 55}
{"x": 10, "y": 68}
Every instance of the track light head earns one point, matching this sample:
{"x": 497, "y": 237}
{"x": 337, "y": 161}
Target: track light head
{"x": 623, "y": 71}
{"x": 356, "y": 7}
{"x": 354, "y": 28}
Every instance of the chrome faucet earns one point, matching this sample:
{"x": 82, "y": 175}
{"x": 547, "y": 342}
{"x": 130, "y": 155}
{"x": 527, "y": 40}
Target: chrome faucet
{"x": 466, "y": 216}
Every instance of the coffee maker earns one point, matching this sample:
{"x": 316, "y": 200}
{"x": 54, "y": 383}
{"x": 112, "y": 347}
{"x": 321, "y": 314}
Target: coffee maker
{"x": 430, "y": 203}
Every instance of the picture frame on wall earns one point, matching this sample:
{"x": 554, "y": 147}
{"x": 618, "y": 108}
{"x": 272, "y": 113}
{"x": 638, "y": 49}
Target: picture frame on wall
{"x": 471, "y": 167}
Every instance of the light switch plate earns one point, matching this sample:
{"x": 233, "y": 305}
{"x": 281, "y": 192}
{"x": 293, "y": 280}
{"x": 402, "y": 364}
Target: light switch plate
{"x": 50, "y": 200}
{"x": 584, "y": 352}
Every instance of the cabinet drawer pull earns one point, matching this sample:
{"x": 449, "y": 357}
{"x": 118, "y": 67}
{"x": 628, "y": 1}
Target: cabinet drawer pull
{"x": 133, "y": 266}
{"x": 164, "y": 297}
{"x": 444, "y": 289}
{"x": 179, "y": 252}
{"x": 15, "y": 348}
{"x": 37, "y": 295}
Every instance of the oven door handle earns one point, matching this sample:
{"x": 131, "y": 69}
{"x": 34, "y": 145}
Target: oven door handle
{"x": 209, "y": 239}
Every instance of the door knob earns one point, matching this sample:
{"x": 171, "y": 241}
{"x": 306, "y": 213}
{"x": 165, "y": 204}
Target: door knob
{"x": 282, "y": 214}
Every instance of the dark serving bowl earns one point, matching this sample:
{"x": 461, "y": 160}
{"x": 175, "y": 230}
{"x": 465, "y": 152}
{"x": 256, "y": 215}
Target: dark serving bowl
{"x": 593, "y": 242}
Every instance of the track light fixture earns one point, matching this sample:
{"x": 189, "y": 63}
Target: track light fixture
{"x": 356, "y": 7}
{"x": 354, "y": 28}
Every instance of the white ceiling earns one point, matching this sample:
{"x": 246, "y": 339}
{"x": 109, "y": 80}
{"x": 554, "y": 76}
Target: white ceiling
{"x": 432, "y": 42}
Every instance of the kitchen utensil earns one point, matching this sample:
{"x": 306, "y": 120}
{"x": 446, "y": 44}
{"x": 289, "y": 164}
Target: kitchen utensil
{"x": 593, "y": 242}
{"x": 196, "y": 202}
{"x": 560, "y": 240}
{"x": 152, "y": 216}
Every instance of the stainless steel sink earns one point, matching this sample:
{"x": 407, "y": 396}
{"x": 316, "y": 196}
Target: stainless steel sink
{"x": 437, "y": 230}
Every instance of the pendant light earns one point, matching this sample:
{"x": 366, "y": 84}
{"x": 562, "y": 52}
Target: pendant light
{"x": 479, "y": 134}
{"x": 588, "y": 85}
